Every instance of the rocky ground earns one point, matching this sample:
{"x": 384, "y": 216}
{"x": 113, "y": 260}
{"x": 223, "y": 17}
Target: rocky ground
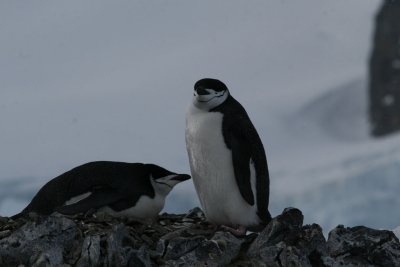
{"x": 188, "y": 240}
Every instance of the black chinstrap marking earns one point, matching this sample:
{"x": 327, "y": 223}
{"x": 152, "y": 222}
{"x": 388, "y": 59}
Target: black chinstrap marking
{"x": 163, "y": 184}
{"x": 212, "y": 98}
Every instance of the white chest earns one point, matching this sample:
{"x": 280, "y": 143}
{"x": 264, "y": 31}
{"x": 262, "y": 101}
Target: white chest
{"x": 204, "y": 139}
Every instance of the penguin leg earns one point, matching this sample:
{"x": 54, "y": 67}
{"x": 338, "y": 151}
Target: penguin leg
{"x": 240, "y": 231}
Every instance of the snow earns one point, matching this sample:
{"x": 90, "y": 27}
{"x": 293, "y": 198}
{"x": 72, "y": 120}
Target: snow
{"x": 396, "y": 231}
{"x": 112, "y": 80}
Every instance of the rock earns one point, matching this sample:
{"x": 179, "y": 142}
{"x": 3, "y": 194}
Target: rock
{"x": 195, "y": 213}
{"x": 384, "y": 70}
{"x": 120, "y": 246}
{"x": 180, "y": 246}
{"x": 38, "y": 242}
{"x": 278, "y": 228}
{"x": 4, "y": 233}
{"x": 90, "y": 253}
{"x": 220, "y": 250}
{"x": 362, "y": 246}
{"x": 188, "y": 240}
{"x": 140, "y": 258}
{"x": 3, "y": 220}
{"x": 286, "y": 242}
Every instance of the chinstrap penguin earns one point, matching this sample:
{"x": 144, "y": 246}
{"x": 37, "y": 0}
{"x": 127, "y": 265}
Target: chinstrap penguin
{"x": 227, "y": 159}
{"x": 133, "y": 190}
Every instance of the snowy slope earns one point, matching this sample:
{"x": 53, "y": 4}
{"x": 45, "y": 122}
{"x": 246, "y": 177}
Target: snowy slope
{"x": 351, "y": 179}
{"x": 111, "y": 81}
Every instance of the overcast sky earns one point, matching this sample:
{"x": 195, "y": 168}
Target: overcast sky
{"x": 111, "y": 80}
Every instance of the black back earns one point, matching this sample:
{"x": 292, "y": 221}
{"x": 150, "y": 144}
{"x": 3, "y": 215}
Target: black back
{"x": 116, "y": 184}
{"x": 243, "y": 140}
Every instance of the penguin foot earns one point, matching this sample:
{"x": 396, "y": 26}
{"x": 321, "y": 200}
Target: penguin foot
{"x": 240, "y": 231}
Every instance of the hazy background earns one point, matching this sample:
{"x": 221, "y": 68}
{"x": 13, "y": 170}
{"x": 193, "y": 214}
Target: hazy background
{"x": 110, "y": 80}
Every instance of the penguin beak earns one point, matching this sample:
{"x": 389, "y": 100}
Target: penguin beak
{"x": 181, "y": 177}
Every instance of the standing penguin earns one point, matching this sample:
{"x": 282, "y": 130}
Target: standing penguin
{"x": 227, "y": 159}
{"x": 133, "y": 190}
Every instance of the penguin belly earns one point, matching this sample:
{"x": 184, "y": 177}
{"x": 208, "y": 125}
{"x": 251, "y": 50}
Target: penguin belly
{"x": 145, "y": 208}
{"x": 212, "y": 171}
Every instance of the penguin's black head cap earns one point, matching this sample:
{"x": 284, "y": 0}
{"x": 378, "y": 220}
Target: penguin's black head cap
{"x": 209, "y": 93}
{"x": 164, "y": 177}
{"x": 209, "y": 83}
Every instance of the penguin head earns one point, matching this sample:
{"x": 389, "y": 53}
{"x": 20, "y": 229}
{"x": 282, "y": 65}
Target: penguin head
{"x": 163, "y": 180}
{"x": 209, "y": 93}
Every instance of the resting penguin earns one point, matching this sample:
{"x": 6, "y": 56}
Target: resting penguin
{"x": 120, "y": 189}
{"x": 227, "y": 159}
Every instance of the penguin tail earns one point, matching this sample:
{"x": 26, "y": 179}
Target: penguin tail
{"x": 266, "y": 219}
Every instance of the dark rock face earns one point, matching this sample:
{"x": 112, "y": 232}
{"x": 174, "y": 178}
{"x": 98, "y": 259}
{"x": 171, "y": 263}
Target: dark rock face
{"x": 362, "y": 245}
{"x": 188, "y": 240}
{"x": 42, "y": 241}
{"x": 286, "y": 242}
{"x": 385, "y": 71}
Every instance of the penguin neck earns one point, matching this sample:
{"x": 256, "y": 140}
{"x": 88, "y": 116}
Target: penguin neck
{"x": 223, "y": 105}
{"x": 161, "y": 189}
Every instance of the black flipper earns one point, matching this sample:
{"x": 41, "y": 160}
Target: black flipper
{"x": 98, "y": 198}
{"x": 247, "y": 148}
{"x": 241, "y": 156}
